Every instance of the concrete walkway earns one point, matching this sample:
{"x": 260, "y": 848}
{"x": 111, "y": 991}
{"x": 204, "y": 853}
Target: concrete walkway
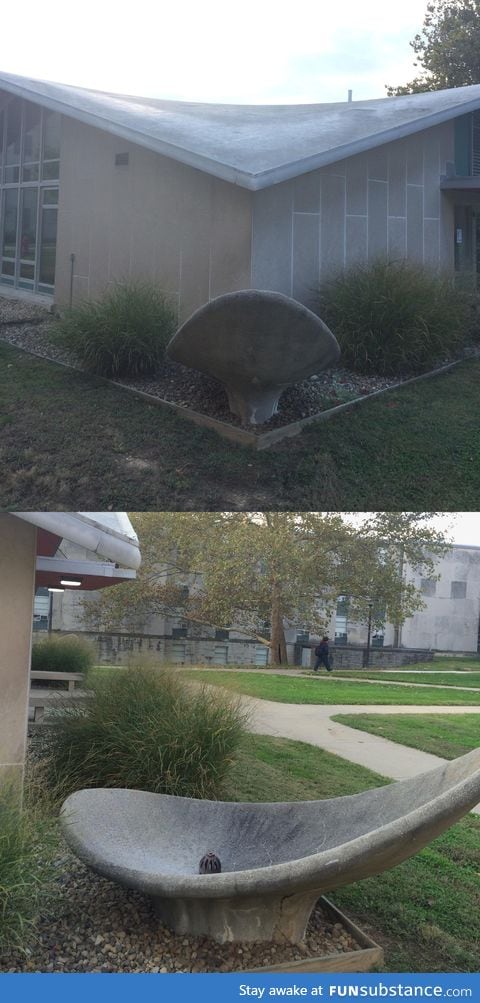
{"x": 312, "y": 723}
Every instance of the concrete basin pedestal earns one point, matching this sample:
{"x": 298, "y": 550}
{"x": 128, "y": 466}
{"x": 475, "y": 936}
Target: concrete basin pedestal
{"x": 280, "y": 918}
{"x": 277, "y": 858}
{"x": 256, "y": 343}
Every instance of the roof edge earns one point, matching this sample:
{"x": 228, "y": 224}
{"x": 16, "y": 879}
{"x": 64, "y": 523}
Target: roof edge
{"x": 82, "y": 529}
{"x": 196, "y": 160}
{"x": 288, "y": 171}
{"x": 221, "y": 170}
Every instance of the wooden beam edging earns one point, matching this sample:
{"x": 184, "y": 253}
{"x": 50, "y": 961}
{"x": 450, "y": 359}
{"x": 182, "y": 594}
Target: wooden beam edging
{"x": 369, "y": 956}
{"x": 234, "y": 433}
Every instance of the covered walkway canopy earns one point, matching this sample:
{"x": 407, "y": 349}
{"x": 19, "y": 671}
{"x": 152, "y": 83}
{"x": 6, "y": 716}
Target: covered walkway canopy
{"x": 29, "y": 542}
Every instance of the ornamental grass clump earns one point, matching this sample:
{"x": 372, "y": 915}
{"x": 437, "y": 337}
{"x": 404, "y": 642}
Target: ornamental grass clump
{"x": 124, "y": 333}
{"x": 395, "y": 318}
{"x": 144, "y": 728}
{"x": 62, "y": 654}
{"x": 26, "y": 838}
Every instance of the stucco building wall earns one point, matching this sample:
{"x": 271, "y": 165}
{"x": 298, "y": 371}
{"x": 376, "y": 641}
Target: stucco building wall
{"x": 17, "y": 550}
{"x": 152, "y": 218}
{"x": 386, "y": 202}
{"x": 198, "y": 237}
{"x": 449, "y": 622}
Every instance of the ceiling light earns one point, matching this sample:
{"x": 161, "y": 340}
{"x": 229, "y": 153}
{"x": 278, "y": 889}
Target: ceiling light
{"x": 70, "y": 581}
{"x": 51, "y": 589}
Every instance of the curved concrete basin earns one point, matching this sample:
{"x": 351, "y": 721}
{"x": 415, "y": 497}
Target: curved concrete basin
{"x": 256, "y": 343}
{"x": 276, "y": 858}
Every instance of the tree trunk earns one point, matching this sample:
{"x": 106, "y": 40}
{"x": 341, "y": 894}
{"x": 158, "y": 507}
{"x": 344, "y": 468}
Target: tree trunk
{"x": 278, "y": 647}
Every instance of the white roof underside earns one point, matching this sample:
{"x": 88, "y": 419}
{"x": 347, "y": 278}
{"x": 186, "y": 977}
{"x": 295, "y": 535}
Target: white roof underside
{"x": 250, "y": 145}
{"x": 109, "y": 534}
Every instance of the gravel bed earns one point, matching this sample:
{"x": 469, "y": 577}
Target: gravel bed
{"x": 92, "y": 925}
{"x": 188, "y": 388}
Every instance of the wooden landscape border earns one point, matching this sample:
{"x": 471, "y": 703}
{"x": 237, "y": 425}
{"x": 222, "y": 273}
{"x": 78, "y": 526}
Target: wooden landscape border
{"x": 369, "y": 956}
{"x": 235, "y": 433}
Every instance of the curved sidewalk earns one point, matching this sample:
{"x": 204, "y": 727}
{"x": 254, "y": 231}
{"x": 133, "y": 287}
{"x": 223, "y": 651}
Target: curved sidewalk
{"x": 312, "y": 723}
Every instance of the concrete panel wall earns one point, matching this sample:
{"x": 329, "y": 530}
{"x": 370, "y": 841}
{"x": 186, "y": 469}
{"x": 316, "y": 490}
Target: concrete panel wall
{"x": 385, "y": 202}
{"x": 154, "y": 219}
{"x": 198, "y": 237}
{"x": 448, "y": 623}
{"x": 17, "y": 576}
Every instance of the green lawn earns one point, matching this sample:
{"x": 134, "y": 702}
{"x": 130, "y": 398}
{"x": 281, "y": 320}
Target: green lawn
{"x": 425, "y": 912}
{"x": 277, "y": 769}
{"x": 470, "y": 679}
{"x": 441, "y": 735}
{"x": 450, "y": 662}
{"x": 71, "y": 441}
{"x": 329, "y": 690}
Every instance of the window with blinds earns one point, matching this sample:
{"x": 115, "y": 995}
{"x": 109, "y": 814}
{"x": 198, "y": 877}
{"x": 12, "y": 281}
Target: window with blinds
{"x": 476, "y": 143}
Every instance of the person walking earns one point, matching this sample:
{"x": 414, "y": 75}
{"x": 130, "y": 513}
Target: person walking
{"x": 322, "y": 655}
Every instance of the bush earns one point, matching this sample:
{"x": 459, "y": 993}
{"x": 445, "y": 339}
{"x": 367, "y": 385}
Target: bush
{"x": 124, "y": 333}
{"x": 25, "y": 853}
{"x": 62, "y": 654}
{"x": 395, "y": 319}
{"x": 144, "y": 728}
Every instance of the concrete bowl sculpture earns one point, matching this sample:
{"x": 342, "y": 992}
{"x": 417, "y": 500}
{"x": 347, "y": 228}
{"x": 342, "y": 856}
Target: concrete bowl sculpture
{"x": 276, "y": 858}
{"x": 256, "y": 343}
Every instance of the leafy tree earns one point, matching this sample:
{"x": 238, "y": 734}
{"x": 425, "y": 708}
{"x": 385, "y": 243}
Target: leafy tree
{"x": 259, "y": 572}
{"x": 447, "y": 48}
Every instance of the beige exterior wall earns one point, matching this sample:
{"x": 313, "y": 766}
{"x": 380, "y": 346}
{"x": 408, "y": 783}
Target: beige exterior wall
{"x": 17, "y": 578}
{"x": 386, "y": 202}
{"x": 198, "y": 237}
{"x": 154, "y": 219}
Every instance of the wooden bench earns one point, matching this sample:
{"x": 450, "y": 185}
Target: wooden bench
{"x": 70, "y": 677}
{"x": 39, "y": 699}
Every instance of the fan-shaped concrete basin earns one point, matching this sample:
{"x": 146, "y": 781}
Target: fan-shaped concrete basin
{"x": 277, "y": 858}
{"x": 256, "y": 343}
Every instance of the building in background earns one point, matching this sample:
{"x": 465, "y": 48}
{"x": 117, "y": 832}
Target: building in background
{"x": 450, "y": 621}
{"x": 206, "y": 199}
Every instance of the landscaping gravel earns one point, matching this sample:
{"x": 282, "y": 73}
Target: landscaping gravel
{"x": 92, "y": 925}
{"x": 187, "y": 388}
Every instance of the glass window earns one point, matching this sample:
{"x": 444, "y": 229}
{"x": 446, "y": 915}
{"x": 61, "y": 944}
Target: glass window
{"x": 51, "y": 136}
{"x": 50, "y": 196}
{"x": 458, "y": 590}
{"x": 48, "y": 247}
{"x": 179, "y": 631}
{"x": 12, "y": 147}
{"x": 51, "y": 146}
{"x": 476, "y": 143}
{"x": 9, "y": 241}
{"x": 428, "y": 587}
{"x": 2, "y": 120}
{"x": 27, "y": 275}
{"x": 31, "y": 138}
{"x": 51, "y": 170}
{"x": 28, "y": 229}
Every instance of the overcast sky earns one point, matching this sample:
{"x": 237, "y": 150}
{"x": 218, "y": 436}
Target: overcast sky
{"x": 459, "y": 527}
{"x": 253, "y": 51}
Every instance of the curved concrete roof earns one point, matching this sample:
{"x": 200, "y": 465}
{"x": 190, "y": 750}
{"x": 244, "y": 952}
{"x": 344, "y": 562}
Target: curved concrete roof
{"x": 250, "y": 145}
{"x": 109, "y": 534}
